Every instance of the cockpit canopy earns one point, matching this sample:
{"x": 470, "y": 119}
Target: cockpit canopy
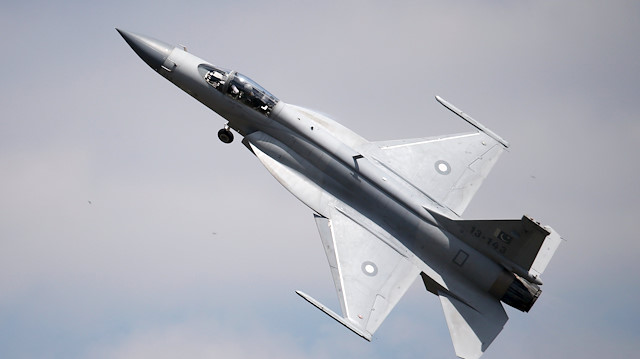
{"x": 239, "y": 87}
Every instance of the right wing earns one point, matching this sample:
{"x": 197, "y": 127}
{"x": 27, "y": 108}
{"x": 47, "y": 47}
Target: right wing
{"x": 449, "y": 169}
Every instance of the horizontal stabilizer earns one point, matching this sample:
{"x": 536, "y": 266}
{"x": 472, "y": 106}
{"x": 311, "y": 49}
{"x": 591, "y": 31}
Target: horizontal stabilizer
{"x": 335, "y": 316}
{"x": 472, "y": 330}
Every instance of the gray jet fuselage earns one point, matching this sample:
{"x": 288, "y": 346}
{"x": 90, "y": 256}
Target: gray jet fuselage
{"x": 333, "y": 165}
{"x": 343, "y": 178}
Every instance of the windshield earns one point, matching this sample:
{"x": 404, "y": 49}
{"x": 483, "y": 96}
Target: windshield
{"x": 240, "y": 88}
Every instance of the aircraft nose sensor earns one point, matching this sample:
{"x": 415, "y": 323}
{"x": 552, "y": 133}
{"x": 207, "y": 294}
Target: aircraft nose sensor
{"x": 153, "y": 52}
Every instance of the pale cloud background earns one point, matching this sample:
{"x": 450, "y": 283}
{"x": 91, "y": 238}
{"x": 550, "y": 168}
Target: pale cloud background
{"x": 188, "y": 247}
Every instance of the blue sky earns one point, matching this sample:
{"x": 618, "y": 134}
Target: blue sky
{"x": 188, "y": 247}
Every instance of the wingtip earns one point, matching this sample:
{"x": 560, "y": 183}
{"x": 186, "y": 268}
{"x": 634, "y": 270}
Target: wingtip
{"x": 472, "y": 122}
{"x": 345, "y": 322}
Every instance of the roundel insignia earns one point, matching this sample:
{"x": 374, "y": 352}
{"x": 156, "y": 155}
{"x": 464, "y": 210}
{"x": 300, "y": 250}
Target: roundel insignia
{"x": 369, "y": 268}
{"x": 442, "y": 167}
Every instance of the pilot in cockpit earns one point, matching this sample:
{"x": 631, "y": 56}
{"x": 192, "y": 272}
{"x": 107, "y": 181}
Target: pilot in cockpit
{"x": 233, "y": 91}
{"x": 216, "y": 79}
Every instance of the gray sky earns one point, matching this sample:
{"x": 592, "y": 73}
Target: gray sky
{"x": 188, "y": 247}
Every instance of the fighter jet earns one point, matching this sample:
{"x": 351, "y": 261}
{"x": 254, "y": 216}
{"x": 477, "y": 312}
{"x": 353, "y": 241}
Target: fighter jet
{"x": 387, "y": 212}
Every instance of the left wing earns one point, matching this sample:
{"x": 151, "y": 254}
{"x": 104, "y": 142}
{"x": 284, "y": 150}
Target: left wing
{"x": 370, "y": 274}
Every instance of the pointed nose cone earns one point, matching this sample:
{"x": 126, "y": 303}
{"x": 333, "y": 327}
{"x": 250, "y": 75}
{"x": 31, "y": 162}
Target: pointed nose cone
{"x": 152, "y": 51}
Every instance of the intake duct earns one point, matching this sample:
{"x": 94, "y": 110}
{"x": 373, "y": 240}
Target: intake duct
{"x": 521, "y": 294}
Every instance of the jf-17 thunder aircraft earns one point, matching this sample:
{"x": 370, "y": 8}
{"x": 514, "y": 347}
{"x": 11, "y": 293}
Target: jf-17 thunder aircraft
{"x": 387, "y": 212}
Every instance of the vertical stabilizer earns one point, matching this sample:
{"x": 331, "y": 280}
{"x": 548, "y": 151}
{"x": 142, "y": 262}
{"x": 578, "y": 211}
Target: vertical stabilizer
{"x": 547, "y": 250}
{"x": 523, "y": 246}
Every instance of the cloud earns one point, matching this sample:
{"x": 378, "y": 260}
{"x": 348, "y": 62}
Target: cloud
{"x": 200, "y": 340}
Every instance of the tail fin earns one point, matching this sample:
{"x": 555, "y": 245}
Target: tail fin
{"x": 523, "y": 246}
{"x": 545, "y": 253}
